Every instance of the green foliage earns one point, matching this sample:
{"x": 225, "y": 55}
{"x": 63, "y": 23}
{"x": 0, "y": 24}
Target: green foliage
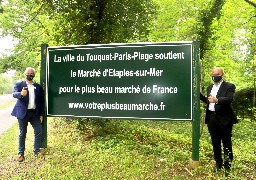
{"x": 22, "y": 21}
{"x": 100, "y": 21}
{"x": 175, "y": 21}
{"x": 227, "y": 37}
{"x": 243, "y": 103}
{"x": 6, "y": 84}
{"x": 230, "y": 49}
{"x": 70, "y": 22}
{"x": 87, "y": 125}
{"x": 124, "y": 150}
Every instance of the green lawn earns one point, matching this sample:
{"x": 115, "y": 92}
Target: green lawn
{"x": 124, "y": 150}
{"x": 2, "y": 106}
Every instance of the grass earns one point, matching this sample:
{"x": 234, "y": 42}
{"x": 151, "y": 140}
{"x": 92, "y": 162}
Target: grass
{"x": 124, "y": 150}
{"x": 2, "y": 106}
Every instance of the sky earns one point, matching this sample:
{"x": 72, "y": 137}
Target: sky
{"x": 7, "y": 43}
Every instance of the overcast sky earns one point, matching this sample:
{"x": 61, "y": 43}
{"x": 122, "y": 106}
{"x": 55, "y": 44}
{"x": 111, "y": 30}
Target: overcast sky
{"x": 6, "y": 43}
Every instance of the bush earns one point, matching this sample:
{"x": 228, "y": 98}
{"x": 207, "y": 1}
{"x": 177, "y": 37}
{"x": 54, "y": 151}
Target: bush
{"x": 89, "y": 125}
{"x": 6, "y": 85}
{"x": 243, "y": 103}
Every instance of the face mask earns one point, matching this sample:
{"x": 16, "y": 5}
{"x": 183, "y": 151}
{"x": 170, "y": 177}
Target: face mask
{"x": 29, "y": 77}
{"x": 216, "y": 78}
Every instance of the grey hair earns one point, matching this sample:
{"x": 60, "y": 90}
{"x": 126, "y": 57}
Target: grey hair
{"x": 30, "y": 68}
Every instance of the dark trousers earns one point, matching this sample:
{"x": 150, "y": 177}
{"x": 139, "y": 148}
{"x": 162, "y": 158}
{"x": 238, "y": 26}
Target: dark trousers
{"x": 221, "y": 134}
{"x": 36, "y": 124}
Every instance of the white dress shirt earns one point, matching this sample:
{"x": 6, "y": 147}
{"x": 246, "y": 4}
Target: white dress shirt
{"x": 214, "y": 91}
{"x": 31, "y": 90}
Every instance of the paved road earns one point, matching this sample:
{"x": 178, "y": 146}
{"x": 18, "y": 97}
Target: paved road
{"x": 6, "y": 120}
{"x": 6, "y": 98}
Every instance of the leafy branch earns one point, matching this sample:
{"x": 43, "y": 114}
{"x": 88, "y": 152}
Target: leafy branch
{"x": 251, "y": 3}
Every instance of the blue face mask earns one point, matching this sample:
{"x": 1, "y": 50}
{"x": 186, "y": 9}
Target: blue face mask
{"x": 29, "y": 77}
{"x": 216, "y": 78}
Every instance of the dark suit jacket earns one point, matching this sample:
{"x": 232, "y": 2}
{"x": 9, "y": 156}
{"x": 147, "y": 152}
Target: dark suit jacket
{"x": 21, "y": 105}
{"x": 223, "y": 109}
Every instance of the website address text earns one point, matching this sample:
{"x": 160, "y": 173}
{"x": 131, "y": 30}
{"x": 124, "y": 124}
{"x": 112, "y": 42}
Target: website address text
{"x": 118, "y": 106}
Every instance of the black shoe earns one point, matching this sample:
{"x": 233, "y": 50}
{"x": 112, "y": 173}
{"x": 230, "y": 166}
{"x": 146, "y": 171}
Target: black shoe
{"x": 227, "y": 172}
{"x": 227, "y": 167}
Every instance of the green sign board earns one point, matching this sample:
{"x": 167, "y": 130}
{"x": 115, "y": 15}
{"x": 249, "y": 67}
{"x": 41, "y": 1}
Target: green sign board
{"x": 124, "y": 81}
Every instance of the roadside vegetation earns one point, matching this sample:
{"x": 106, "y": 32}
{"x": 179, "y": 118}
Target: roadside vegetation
{"x": 2, "y": 106}
{"x": 6, "y": 84}
{"x": 124, "y": 150}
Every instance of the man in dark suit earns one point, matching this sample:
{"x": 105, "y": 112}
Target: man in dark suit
{"x": 220, "y": 117}
{"x": 28, "y": 108}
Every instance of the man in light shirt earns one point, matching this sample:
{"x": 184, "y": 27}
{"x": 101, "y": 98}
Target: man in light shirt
{"x": 28, "y": 108}
{"x": 220, "y": 118}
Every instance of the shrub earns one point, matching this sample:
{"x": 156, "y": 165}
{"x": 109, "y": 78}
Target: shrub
{"x": 243, "y": 103}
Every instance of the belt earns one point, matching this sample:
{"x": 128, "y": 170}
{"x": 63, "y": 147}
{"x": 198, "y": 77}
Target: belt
{"x": 212, "y": 112}
{"x": 31, "y": 109}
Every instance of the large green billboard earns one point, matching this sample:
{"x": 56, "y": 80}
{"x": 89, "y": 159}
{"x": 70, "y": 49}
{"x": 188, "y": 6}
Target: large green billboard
{"x": 124, "y": 81}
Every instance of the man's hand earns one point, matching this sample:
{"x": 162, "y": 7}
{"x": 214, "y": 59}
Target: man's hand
{"x": 41, "y": 119}
{"x": 212, "y": 99}
{"x": 23, "y": 92}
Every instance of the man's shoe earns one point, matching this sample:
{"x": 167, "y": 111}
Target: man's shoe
{"x": 21, "y": 158}
{"x": 37, "y": 154}
{"x": 40, "y": 152}
{"x": 227, "y": 167}
{"x": 227, "y": 172}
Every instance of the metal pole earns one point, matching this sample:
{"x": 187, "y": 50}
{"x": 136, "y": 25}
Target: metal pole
{"x": 194, "y": 162}
{"x": 43, "y": 84}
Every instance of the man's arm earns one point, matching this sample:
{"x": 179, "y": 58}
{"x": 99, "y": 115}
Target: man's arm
{"x": 17, "y": 90}
{"x": 230, "y": 94}
{"x": 203, "y": 98}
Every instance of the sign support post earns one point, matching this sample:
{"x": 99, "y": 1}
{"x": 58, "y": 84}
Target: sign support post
{"x": 43, "y": 84}
{"x": 194, "y": 161}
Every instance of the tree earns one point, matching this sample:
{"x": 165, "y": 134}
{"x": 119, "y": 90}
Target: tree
{"x": 5, "y": 84}
{"x": 70, "y": 22}
{"x": 227, "y": 35}
{"x": 251, "y": 3}
{"x": 100, "y": 21}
